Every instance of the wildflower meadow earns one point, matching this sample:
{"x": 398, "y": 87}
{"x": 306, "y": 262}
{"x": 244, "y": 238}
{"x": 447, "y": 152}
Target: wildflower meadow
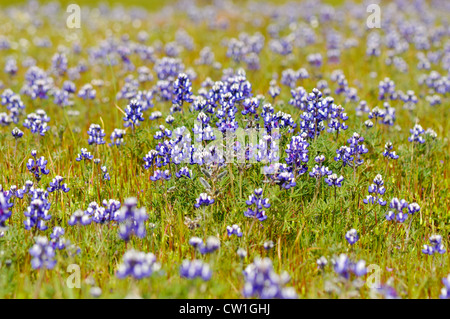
{"x": 225, "y": 149}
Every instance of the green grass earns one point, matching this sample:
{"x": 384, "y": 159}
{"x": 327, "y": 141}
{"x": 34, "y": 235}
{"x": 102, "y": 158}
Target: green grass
{"x": 301, "y": 228}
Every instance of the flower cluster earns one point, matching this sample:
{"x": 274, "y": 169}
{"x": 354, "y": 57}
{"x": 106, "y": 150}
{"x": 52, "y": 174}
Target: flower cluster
{"x": 259, "y": 203}
{"x": 376, "y": 190}
{"x": 195, "y": 269}
{"x": 435, "y": 246}
{"x": 132, "y": 220}
{"x": 263, "y": 282}
{"x": 137, "y": 264}
{"x": 43, "y": 254}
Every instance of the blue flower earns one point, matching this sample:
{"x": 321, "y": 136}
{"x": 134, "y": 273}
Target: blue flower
{"x": 194, "y": 269}
{"x": 79, "y": 218}
{"x": 117, "y": 137}
{"x": 133, "y": 113}
{"x": 96, "y": 135}
{"x": 57, "y": 184}
{"x": 388, "y": 153}
{"x": 263, "y": 282}
{"x": 132, "y": 220}
{"x": 352, "y": 236}
{"x": 435, "y": 247}
{"x": 234, "y": 230}
{"x": 43, "y": 254}
{"x": 259, "y": 203}
{"x": 204, "y": 200}
{"x": 137, "y": 264}
{"x": 84, "y": 155}
{"x": 37, "y": 166}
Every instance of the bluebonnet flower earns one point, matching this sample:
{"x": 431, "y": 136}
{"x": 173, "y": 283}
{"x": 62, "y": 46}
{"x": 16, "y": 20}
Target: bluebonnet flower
{"x": 168, "y": 68}
{"x": 388, "y": 153}
{"x": 196, "y": 242}
{"x": 234, "y": 230}
{"x": 445, "y": 291}
{"x": 268, "y": 245}
{"x": 57, "y": 184}
{"x": 319, "y": 171}
{"x": 117, "y": 137}
{"x": 37, "y": 212}
{"x": 105, "y": 174}
{"x": 274, "y": 89}
{"x": 344, "y": 267}
{"x": 314, "y": 59}
{"x": 16, "y": 133}
{"x": 387, "y": 90}
{"x": 59, "y": 63}
{"x": 134, "y": 114}
{"x": 11, "y": 66}
{"x": 377, "y": 114}
{"x": 79, "y": 218}
{"x": 37, "y": 122}
{"x": 259, "y": 203}
{"x": 137, "y": 264}
{"x": 84, "y": 155}
{"x": 160, "y": 175}
{"x": 112, "y": 209}
{"x": 184, "y": 171}
{"x": 435, "y": 247}
{"x": 337, "y": 119}
{"x": 211, "y": 245}
{"x": 37, "y": 166}
{"x": 61, "y": 98}
{"x": 413, "y": 208}
{"x": 163, "y": 132}
{"x": 416, "y": 134}
{"x": 362, "y": 108}
{"x": 409, "y": 98}
{"x": 352, "y": 236}
{"x": 397, "y": 213}
{"x": 43, "y": 254}
{"x": 281, "y": 174}
{"x": 69, "y": 87}
{"x": 96, "y": 135}
{"x": 87, "y": 92}
{"x": 182, "y": 90}
{"x": 5, "y": 119}
{"x": 57, "y": 242}
{"x": 351, "y": 155}
{"x": 316, "y": 109}
{"x": 132, "y": 220}
{"x": 321, "y": 262}
{"x": 5, "y": 206}
{"x": 297, "y": 154}
{"x": 376, "y": 190}
{"x": 242, "y": 253}
{"x": 204, "y": 200}
{"x": 334, "y": 180}
{"x": 195, "y": 269}
{"x": 261, "y": 281}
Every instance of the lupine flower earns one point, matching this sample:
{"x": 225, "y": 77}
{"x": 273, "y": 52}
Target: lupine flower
{"x": 398, "y": 214}
{"x": 211, "y": 245}
{"x": 387, "y": 151}
{"x": 57, "y": 242}
{"x": 132, "y": 220}
{"x": 334, "y": 180}
{"x": 259, "y": 204}
{"x": 234, "y": 230}
{"x": 375, "y": 190}
{"x": 182, "y": 90}
{"x": 194, "y": 269}
{"x": 87, "y": 92}
{"x": 43, "y": 254}
{"x": 160, "y": 175}
{"x": 79, "y": 218}
{"x": 344, "y": 267}
{"x": 261, "y": 281}
{"x": 297, "y": 154}
{"x": 352, "y": 236}
{"x": 184, "y": 171}
{"x": 268, "y": 245}
{"x": 416, "y": 134}
{"x": 112, "y": 208}
{"x": 84, "y": 155}
{"x": 242, "y": 253}
{"x": 321, "y": 262}
{"x": 57, "y": 184}
{"x": 96, "y": 135}
{"x": 435, "y": 247}
{"x": 117, "y": 137}
{"x": 137, "y": 264}
{"x": 351, "y": 155}
{"x": 37, "y": 166}
{"x": 281, "y": 174}
{"x": 37, "y": 122}
{"x": 16, "y": 133}
{"x": 204, "y": 200}
{"x": 5, "y": 212}
{"x": 133, "y": 113}
{"x": 445, "y": 291}
{"x": 105, "y": 173}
